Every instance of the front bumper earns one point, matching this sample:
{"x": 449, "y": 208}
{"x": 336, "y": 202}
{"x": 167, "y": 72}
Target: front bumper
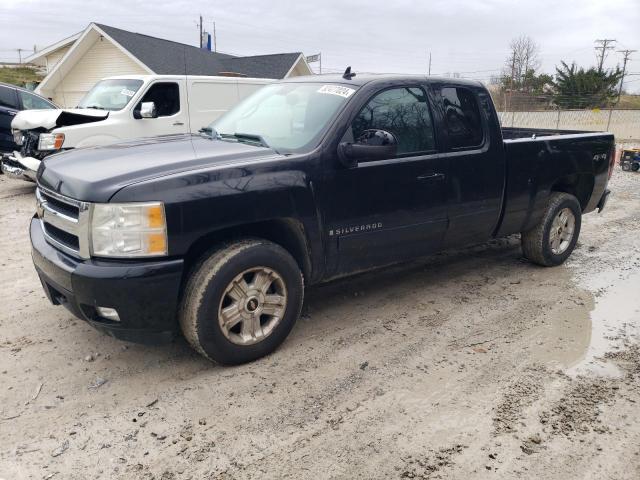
{"x": 22, "y": 168}
{"x": 145, "y": 294}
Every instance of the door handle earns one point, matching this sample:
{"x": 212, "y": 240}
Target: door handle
{"x": 432, "y": 176}
{"x": 13, "y": 114}
{"x": 178, "y": 123}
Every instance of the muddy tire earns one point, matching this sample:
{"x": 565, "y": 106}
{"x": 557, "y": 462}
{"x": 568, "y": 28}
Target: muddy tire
{"x": 551, "y": 241}
{"x": 241, "y": 301}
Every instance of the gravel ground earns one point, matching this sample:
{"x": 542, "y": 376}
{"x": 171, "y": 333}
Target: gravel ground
{"x": 470, "y": 364}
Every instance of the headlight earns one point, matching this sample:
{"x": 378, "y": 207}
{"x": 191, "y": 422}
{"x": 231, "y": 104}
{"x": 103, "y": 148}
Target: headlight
{"x": 50, "y": 141}
{"x": 18, "y": 137}
{"x": 128, "y": 230}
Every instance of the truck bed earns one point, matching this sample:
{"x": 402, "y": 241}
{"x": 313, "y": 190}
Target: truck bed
{"x": 513, "y": 133}
{"x": 539, "y": 161}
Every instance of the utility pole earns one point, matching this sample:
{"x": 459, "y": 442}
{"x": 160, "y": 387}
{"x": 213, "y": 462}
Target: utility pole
{"x": 429, "y": 63}
{"x": 604, "y": 45}
{"x": 513, "y": 76}
{"x": 627, "y": 56}
{"x": 200, "y": 28}
{"x": 215, "y": 40}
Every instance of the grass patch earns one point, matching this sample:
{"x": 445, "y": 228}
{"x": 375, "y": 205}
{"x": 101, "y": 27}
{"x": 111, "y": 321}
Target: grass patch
{"x": 19, "y": 76}
{"x": 629, "y": 101}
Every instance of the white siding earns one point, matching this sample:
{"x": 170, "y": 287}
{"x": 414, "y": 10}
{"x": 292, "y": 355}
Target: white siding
{"x": 102, "y": 60}
{"x": 54, "y": 57}
{"x": 299, "y": 69}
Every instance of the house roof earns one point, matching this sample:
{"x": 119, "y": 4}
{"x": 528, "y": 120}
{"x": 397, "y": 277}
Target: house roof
{"x": 165, "y": 57}
{"x": 53, "y": 47}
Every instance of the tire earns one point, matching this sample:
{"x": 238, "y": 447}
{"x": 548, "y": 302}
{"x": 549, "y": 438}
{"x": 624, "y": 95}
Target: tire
{"x": 537, "y": 243}
{"x": 635, "y": 166}
{"x": 232, "y": 283}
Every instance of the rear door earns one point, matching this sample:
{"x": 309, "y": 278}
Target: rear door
{"x": 384, "y": 211}
{"x": 171, "y": 107}
{"x": 476, "y": 178}
{"x": 8, "y": 109}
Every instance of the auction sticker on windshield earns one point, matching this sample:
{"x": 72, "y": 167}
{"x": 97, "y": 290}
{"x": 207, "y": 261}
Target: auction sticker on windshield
{"x": 127, "y": 92}
{"x": 345, "y": 92}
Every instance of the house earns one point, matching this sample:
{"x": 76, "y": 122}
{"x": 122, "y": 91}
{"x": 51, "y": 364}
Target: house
{"x": 76, "y": 63}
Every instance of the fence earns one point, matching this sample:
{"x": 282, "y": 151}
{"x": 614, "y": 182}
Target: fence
{"x": 624, "y": 124}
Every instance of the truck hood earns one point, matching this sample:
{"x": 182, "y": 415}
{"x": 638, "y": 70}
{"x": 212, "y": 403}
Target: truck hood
{"x": 53, "y": 118}
{"x": 95, "y": 174}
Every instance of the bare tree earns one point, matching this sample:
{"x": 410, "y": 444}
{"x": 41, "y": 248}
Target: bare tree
{"x": 522, "y": 62}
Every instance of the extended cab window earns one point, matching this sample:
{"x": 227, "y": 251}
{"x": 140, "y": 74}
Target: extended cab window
{"x": 166, "y": 97}
{"x": 462, "y": 117}
{"x": 403, "y": 112}
{"x": 8, "y": 97}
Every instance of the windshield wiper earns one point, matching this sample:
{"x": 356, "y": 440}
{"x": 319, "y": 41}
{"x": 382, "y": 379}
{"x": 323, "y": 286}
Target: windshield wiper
{"x": 208, "y": 131}
{"x": 95, "y": 107}
{"x": 252, "y": 138}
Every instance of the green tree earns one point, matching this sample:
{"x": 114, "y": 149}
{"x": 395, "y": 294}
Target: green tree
{"x": 579, "y": 88}
{"x": 533, "y": 83}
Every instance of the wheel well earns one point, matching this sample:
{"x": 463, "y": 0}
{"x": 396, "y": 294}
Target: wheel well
{"x": 287, "y": 232}
{"x": 578, "y": 185}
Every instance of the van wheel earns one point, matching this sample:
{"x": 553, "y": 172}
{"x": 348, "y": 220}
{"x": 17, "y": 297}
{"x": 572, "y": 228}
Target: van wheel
{"x": 551, "y": 241}
{"x": 242, "y": 301}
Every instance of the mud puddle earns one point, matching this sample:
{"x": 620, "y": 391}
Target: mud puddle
{"x": 614, "y": 322}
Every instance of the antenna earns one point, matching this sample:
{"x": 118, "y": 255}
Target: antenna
{"x": 347, "y": 75}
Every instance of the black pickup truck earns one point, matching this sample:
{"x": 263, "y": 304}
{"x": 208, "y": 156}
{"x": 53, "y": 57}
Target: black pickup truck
{"x": 216, "y": 235}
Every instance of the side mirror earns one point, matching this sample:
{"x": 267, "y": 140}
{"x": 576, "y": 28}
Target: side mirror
{"x": 370, "y": 146}
{"x": 146, "y": 110}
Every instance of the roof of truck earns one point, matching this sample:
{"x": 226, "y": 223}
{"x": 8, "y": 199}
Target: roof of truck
{"x": 364, "y": 78}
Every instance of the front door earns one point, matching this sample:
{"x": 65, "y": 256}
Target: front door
{"x": 171, "y": 108}
{"x": 384, "y": 211}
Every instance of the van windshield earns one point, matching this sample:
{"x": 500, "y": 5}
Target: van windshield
{"x": 288, "y": 117}
{"x": 113, "y": 94}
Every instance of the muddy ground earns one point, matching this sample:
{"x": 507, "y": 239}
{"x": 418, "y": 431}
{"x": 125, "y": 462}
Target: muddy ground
{"x": 471, "y": 364}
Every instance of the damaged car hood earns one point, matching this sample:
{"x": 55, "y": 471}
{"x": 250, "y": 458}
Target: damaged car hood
{"x": 49, "y": 119}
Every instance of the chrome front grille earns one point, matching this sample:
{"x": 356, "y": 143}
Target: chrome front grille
{"x": 65, "y": 222}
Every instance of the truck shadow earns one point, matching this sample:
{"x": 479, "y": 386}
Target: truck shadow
{"x": 326, "y": 305}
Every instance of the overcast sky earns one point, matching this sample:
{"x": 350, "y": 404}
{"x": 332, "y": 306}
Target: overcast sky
{"x": 466, "y": 36}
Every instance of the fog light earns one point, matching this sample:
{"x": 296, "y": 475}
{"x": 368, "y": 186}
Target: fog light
{"x": 108, "y": 313}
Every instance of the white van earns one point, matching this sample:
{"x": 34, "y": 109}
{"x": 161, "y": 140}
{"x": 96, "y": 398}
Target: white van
{"x": 123, "y": 108}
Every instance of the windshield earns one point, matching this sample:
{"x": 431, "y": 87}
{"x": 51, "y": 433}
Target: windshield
{"x": 287, "y": 117}
{"x": 110, "y": 94}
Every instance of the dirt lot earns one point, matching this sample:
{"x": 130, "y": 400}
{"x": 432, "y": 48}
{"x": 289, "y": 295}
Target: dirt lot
{"x": 471, "y": 364}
